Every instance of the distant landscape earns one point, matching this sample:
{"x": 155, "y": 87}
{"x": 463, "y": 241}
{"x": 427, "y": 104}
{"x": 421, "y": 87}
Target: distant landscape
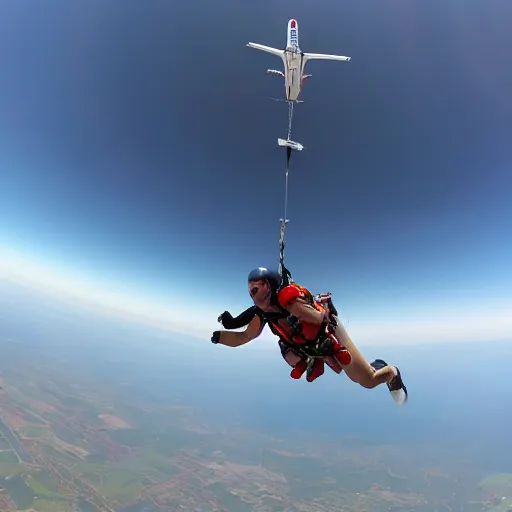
{"x": 100, "y": 416}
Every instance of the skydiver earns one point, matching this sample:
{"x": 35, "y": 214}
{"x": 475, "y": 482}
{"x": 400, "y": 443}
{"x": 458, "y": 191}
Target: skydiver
{"x": 305, "y": 328}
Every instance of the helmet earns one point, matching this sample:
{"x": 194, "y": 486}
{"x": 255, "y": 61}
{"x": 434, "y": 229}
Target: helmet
{"x": 271, "y": 276}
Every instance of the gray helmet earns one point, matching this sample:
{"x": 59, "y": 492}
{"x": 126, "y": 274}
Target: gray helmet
{"x": 271, "y": 276}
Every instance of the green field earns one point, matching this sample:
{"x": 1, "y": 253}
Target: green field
{"x": 499, "y": 486}
{"x": 7, "y": 469}
{"x": 114, "y": 483}
{"x": 310, "y": 477}
{"x": 35, "y": 432}
{"x": 44, "y": 485}
{"x": 19, "y": 491}
{"x": 33, "y": 418}
{"x": 39, "y": 488}
{"x": 9, "y": 457}
{"x": 44, "y": 505}
{"x": 155, "y": 464}
{"x": 121, "y": 485}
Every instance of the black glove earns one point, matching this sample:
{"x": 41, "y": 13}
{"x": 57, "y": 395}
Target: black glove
{"x": 229, "y": 322}
{"x": 223, "y": 317}
{"x": 215, "y": 337}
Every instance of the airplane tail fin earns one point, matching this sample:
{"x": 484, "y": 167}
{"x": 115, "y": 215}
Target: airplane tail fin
{"x": 311, "y": 56}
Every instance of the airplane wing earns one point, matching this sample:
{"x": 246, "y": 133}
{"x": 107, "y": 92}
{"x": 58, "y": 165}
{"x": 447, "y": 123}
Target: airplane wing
{"x": 309, "y": 56}
{"x": 268, "y": 49}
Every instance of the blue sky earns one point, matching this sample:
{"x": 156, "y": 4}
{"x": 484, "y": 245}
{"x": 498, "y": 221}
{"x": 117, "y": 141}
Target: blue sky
{"x": 138, "y": 152}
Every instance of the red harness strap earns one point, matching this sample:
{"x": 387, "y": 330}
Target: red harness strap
{"x": 288, "y": 295}
{"x": 309, "y": 333}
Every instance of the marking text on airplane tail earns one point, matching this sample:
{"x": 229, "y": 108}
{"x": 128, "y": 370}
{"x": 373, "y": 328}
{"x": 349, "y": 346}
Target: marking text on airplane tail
{"x": 293, "y": 35}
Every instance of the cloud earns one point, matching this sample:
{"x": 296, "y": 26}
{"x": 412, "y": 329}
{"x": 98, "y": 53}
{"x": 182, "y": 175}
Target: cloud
{"x": 108, "y": 299}
{"x": 488, "y": 321}
{"x": 494, "y": 323}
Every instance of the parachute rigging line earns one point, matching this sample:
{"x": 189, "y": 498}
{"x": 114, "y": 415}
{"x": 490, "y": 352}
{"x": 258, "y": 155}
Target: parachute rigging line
{"x": 285, "y": 273}
{"x": 290, "y": 118}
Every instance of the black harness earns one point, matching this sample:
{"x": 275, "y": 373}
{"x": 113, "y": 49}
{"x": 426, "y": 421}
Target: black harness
{"x": 322, "y": 346}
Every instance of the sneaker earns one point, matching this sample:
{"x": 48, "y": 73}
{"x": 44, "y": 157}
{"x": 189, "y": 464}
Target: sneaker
{"x": 396, "y": 386}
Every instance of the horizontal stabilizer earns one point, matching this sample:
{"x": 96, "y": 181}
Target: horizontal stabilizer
{"x": 311, "y": 56}
{"x": 285, "y": 101}
{"x": 268, "y": 49}
{"x": 290, "y": 144}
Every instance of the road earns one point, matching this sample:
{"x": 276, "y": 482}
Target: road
{"x": 15, "y": 443}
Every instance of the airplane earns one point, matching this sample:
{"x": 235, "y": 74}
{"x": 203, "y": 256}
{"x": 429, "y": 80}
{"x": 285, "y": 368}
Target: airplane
{"x": 294, "y": 60}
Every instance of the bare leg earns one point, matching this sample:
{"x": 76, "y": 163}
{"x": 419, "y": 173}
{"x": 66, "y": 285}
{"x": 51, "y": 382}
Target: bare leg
{"x": 359, "y": 370}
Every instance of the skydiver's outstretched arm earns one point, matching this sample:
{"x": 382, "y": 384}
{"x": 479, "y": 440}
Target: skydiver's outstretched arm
{"x": 228, "y": 322}
{"x": 236, "y": 339}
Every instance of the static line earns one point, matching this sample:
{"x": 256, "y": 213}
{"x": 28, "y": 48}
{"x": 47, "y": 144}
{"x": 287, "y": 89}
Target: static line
{"x": 283, "y": 271}
{"x": 290, "y": 118}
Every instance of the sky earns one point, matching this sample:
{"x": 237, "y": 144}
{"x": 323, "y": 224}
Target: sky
{"x": 139, "y": 169}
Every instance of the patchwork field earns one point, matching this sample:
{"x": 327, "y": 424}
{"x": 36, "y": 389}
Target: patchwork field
{"x": 71, "y": 442}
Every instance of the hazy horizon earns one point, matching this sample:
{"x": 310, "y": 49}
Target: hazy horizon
{"x": 493, "y": 323}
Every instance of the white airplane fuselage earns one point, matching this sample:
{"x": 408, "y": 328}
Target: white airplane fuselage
{"x": 294, "y": 63}
{"x": 294, "y": 60}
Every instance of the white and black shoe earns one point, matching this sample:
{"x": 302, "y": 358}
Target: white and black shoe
{"x": 396, "y": 385}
